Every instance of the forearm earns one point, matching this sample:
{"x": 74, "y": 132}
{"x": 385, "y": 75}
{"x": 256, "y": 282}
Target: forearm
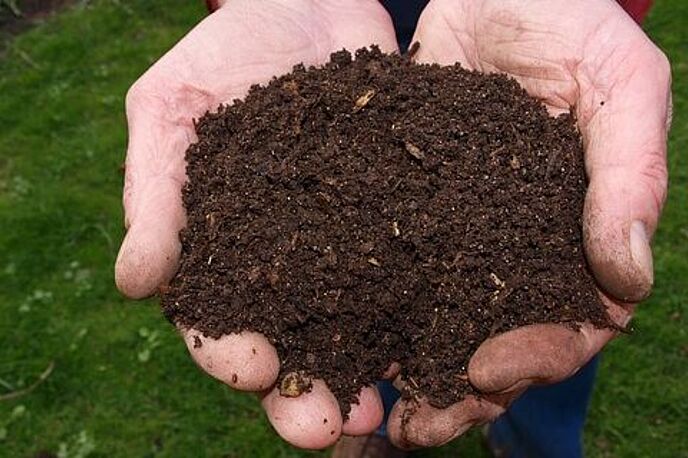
{"x": 637, "y": 9}
{"x": 214, "y": 4}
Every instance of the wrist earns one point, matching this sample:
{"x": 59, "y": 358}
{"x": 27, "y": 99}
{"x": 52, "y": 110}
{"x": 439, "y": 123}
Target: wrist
{"x": 214, "y": 4}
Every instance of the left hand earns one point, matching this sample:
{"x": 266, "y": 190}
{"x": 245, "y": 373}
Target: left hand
{"x": 244, "y": 42}
{"x": 587, "y": 55}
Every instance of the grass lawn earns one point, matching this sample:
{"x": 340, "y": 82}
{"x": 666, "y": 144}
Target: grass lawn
{"x": 122, "y": 384}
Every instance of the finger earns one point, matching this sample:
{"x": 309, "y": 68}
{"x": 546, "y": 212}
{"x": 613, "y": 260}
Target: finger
{"x": 360, "y": 23}
{"x": 436, "y": 35}
{"x": 356, "y": 24}
{"x": 154, "y": 174}
{"x": 626, "y": 162}
{"x": 245, "y": 361}
{"x": 150, "y": 251}
{"x": 417, "y": 424}
{"x": 311, "y": 420}
{"x": 541, "y": 353}
{"x": 537, "y": 353}
{"x": 366, "y": 416}
{"x": 624, "y": 122}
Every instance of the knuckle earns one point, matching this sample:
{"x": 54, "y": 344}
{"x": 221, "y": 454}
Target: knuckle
{"x": 134, "y": 94}
{"x": 140, "y": 93}
{"x": 657, "y": 60}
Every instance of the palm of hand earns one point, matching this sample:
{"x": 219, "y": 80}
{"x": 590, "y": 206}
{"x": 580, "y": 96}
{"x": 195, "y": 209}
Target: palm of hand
{"x": 589, "y": 56}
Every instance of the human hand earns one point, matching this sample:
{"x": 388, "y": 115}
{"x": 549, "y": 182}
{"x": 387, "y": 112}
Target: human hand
{"x": 243, "y": 43}
{"x": 587, "y": 55}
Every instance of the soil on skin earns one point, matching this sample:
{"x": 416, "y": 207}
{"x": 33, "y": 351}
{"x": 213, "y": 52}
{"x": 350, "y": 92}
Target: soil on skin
{"x": 375, "y": 210}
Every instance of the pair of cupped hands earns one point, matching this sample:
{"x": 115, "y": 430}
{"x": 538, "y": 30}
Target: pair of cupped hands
{"x": 588, "y": 56}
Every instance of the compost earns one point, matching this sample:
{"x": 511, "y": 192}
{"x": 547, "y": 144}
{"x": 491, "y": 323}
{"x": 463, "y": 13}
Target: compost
{"x": 375, "y": 210}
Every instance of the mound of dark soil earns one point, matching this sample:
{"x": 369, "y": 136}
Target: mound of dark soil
{"x": 375, "y": 210}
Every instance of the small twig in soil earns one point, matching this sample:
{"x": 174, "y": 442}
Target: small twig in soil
{"x": 395, "y": 229}
{"x": 415, "y": 46}
{"x": 497, "y": 281}
{"x": 456, "y": 259}
{"x": 294, "y": 384}
{"x": 374, "y": 262}
{"x": 551, "y": 163}
{"x": 493, "y": 154}
{"x": 363, "y": 100}
{"x": 414, "y": 151}
{"x": 396, "y": 185}
{"x": 413, "y": 382}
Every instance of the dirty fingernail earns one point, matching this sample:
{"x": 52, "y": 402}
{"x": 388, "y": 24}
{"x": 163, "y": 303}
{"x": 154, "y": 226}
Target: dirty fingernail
{"x": 641, "y": 252}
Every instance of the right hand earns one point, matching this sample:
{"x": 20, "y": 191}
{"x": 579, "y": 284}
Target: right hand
{"x": 244, "y": 42}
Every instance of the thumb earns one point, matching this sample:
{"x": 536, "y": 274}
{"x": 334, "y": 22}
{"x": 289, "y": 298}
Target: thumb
{"x": 626, "y": 162}
{"x": 154, "y": 175}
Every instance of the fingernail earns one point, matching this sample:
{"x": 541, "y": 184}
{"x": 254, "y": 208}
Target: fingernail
{"x": 641, "y": 252}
